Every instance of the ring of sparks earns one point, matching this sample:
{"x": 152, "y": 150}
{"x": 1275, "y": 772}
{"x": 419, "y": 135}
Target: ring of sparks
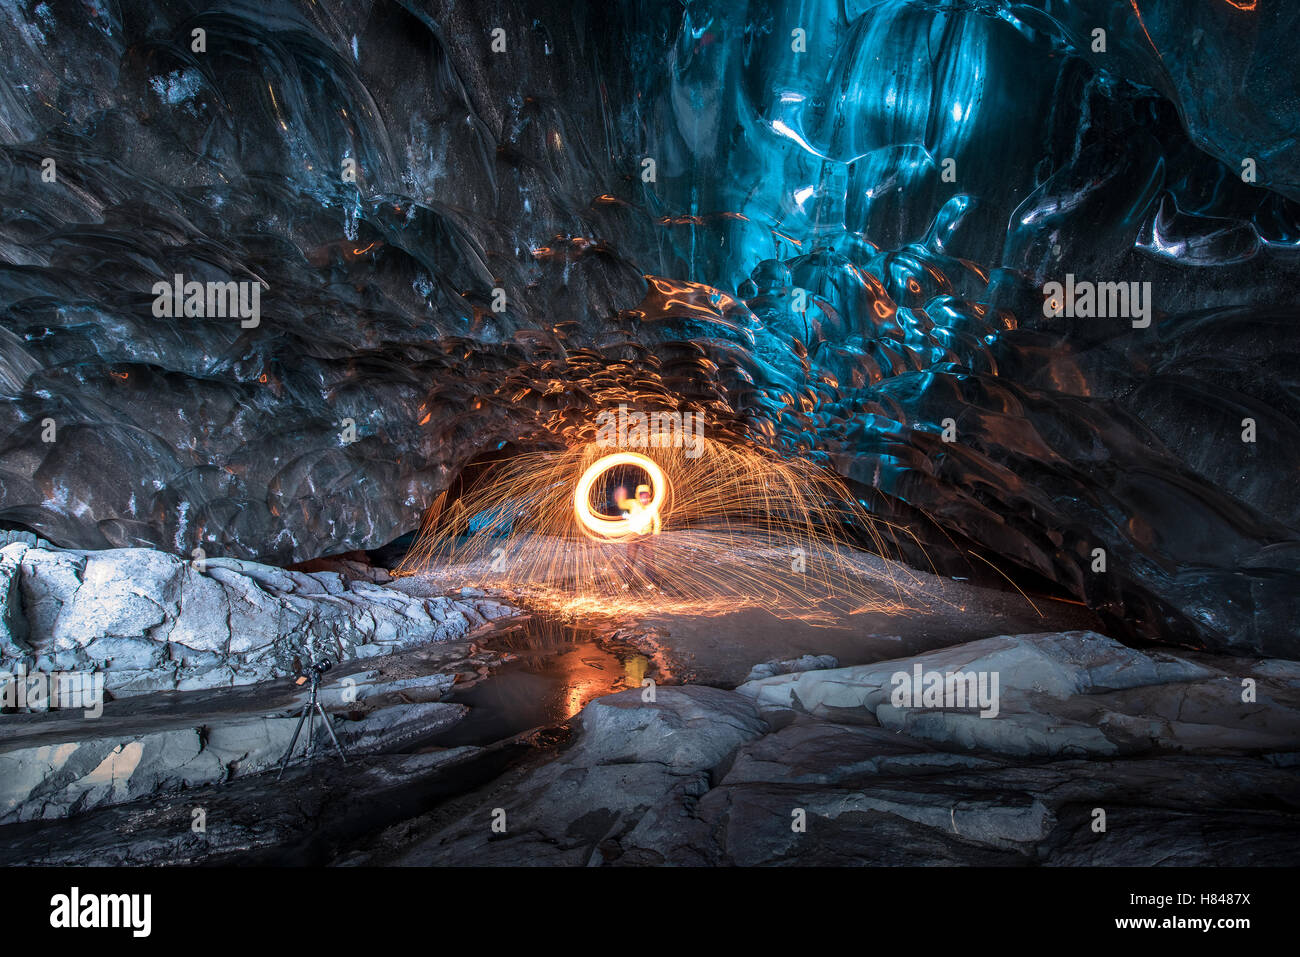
{"x": 603, "y": 526}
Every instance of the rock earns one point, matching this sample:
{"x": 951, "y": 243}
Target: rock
{"x": 630, "y": 756}
{"x": 352, "y": 566}
{"x": 696, "y": 778}
{"x": 9, "y": 535}
{"x": 685, "y": 728}
{"x": 1057, "y": 664}
{"x": 793, "y": 665}
{"x": 1066, "y": 693}
{"x": 398, "y": 726}
{"x": 124, "y": 592}
{"x": 13, "y": 626}
{"x": 56, "y": 764}
{"x": 152, "y": 621}
{"x": 294, "y": 821}
{"x": 369, "y": 689}
{"x": 48, "y": 578}
{"x": 51, "y": 780}
{"x": 812, "y": 752}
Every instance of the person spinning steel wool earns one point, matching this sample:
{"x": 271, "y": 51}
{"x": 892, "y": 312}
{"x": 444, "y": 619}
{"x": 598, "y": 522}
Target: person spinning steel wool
{"x": 645, "y": 525}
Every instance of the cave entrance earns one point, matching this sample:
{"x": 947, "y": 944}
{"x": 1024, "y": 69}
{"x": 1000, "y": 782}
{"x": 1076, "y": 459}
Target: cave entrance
{"x": 448, "y": 509}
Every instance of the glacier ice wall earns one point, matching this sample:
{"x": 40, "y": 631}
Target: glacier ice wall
{"x": 826, "y": 225}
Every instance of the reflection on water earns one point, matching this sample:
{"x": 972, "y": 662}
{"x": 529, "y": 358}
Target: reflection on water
{"x": 561, "y": 666}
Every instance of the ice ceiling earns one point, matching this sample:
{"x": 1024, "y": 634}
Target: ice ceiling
{"x": 853, "y": 209}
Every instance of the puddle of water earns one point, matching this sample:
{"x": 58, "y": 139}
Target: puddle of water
{"x": 561, "y": 666}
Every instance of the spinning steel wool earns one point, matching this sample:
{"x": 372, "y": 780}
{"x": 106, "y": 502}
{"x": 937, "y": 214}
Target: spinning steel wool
{"x": 738, "y": 526}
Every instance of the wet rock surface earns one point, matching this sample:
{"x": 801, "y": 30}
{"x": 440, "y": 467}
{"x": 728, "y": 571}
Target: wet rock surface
{"x": 1184, "y": 770}
{"x": 299, "y": 820}
{"x": 628, "y": 757}
{"x": 144, "y": 750}
{"x": 803, "y": 768}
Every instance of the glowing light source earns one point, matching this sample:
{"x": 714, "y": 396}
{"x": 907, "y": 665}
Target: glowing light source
{"x": 748, "y": 528}
{"x": 616, "y": 528}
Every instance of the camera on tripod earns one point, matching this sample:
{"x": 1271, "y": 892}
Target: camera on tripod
{"x": 312, "y": 673}
{"x": 310, "y": 710}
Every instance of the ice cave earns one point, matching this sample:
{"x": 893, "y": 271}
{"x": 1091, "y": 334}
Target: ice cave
{"x": 704, "y": 433}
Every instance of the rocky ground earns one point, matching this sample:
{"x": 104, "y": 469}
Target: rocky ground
{"x": 60, "y": 763}
{"x": 1094, "y": 752}
{"x": 1099, "y": 755}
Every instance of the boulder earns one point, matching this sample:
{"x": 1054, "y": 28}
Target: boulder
{"x": 1060, "y": 694}
{"x": 685, "y": 728}
{"x": 630, "y": 756}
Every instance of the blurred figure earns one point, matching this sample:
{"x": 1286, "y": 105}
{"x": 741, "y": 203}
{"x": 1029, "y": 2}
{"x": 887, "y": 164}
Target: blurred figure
{"x": 645, "y": 524}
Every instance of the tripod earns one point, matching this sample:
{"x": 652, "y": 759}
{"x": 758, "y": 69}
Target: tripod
{"x": 309, "y": 712}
